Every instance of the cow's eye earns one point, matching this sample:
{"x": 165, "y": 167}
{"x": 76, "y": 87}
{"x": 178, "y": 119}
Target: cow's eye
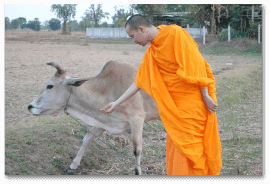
{"x": 49, "y": 86}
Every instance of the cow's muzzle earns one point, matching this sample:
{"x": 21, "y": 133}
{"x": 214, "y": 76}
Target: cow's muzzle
{"x": 30, "y": 107}
{"x": 34, "y": 110}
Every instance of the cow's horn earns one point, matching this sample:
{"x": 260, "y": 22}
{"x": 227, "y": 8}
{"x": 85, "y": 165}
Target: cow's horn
{"x": 59, "y": 69}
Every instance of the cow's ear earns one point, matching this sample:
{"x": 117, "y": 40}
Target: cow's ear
{"x": 75, "y": 82}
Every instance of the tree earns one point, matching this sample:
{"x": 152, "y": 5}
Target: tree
{"x": 73, "y": 25}
{"x": 96, "y": 14}
{"x": 22, "y": 23}
{"x": 176, "y": 8}
{"x": 148, "y": 10}
{"x": 37, "y": 24}
{"x": 24, "y": 26}
{"x": 65, "y": 12}
{"x": 104, "y": 24}
{"x": 23, "y": 20}
{"x": 54, "y": 24}
{"x": 7, "y": 23}
{"x": 83, "y": 24}
{"x": 46, "y": 25}
{"x": 15, "y": 23}
{"x": 209, "y": 13}
{"x": 120, "y": 17}
{"x": 34, "y": 24}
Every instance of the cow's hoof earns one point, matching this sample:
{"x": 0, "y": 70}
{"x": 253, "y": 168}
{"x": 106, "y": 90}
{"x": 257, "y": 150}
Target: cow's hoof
{"x": 71, "y": 171}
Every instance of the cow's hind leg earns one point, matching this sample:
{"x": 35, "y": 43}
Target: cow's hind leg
{"x": 89, "y": 137}
{"x": 136, "y": 137}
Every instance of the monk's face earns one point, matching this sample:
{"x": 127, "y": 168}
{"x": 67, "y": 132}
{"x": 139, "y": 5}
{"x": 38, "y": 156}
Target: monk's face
{"x": 138, "y": 36}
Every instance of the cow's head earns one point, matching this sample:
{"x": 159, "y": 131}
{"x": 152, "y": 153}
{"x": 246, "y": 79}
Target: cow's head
{"x": 55, "y": 94}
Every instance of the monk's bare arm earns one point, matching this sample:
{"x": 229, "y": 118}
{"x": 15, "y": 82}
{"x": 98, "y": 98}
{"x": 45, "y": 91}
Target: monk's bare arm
{"x": 204, "y": 92}
{"x": 132, "y": 90}
{"x": 209, "y": 102}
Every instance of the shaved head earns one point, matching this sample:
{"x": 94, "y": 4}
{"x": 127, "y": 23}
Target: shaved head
{"x": 140, "y": 30}
{"x": 137, "y": 20}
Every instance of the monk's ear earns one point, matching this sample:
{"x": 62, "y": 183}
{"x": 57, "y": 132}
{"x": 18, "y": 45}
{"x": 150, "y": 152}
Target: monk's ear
{"x": 74, "y": 82}
{"x": 141, "y": 29}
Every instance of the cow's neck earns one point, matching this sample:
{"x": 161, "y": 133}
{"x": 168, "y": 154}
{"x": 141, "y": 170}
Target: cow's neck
{"x": 86, "y": 100}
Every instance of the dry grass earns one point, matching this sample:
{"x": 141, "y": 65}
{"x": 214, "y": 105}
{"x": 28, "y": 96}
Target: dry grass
{"x": 46, "y": 145}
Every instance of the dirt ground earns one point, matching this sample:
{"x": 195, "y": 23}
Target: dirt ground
{"x": 27, "y": 52}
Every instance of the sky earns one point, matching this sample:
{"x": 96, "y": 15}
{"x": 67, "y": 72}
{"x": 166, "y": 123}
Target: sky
{"x": 43, "y": 11}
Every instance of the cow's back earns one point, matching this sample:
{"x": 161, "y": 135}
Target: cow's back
{"x": 119, "y": 77}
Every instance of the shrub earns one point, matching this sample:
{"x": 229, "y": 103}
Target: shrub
{"x": 234, "y": 34}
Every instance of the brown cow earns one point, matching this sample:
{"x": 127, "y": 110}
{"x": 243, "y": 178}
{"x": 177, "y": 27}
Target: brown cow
{"x": 85, "y": 97}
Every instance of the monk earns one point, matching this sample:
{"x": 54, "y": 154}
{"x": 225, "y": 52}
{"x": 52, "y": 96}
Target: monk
{"x": 174, "y": 73}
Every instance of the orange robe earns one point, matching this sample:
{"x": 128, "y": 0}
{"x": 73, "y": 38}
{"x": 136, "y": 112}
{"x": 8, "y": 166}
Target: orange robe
{"x": 172, "y": 72}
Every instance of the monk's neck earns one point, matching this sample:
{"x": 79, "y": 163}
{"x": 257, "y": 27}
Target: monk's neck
{"x": 154, "y": 33}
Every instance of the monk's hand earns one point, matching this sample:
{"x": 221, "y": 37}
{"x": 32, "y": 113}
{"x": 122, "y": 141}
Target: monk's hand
{"x": 109, "y": 108}
{"x": 211, "y": 106}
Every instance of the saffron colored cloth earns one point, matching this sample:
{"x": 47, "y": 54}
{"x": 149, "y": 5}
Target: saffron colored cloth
{"x": 172, "y": 72}
{"x": 177, "y": 164}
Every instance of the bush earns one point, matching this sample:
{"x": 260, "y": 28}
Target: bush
{"x": 55, "y": 24}
{"x": 234, "y": 34}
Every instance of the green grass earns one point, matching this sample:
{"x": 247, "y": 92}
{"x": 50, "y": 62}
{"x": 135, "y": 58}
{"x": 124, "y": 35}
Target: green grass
{"x": 230, "y": 51}
{"x": 47, "y": 139}
{"x": 239, "y": 98}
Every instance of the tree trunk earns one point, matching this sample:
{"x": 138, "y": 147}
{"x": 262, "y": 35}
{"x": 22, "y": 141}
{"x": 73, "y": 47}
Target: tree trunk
{"x": 213, "y": 21}
{"x": 64, "y": 31}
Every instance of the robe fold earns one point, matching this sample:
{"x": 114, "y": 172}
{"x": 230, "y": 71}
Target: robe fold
{"x": 172, "y": 72}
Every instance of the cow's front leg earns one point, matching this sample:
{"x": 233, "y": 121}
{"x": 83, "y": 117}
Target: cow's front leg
{"x": 88, "y": 138}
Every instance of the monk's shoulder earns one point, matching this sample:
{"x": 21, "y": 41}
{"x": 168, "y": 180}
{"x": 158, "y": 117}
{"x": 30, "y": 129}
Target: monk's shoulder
{"x": 174, "y": 30}
{"x": 175, "y": 27}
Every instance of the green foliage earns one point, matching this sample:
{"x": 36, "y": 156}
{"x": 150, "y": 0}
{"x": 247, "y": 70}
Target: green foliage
{"x": 24, "y": 26}
{"x": 148, "y": 10}
{"x": 7, "y": 23}
{"x": 73, "y": 24}
{"x": 57, "y": 163}
{"x": 120, "y": 17}
{"x": 234, "y": 16}
{"x": 65, "y": 12}
{"x": 45, "y": 25}
{"x": 234, "y": 34}
{"x": 104, "y": 24}
{"x": 95, "y": 14}
{"x": 85, "y": 23}
{"x": 34, "y": 25}
{"x": 176, "y": 8}
{"x": 22, "y": 20}
{"x": 15, "y": 23}
{"x": 55, "y": 24}
{"x": 252, "y": 32}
